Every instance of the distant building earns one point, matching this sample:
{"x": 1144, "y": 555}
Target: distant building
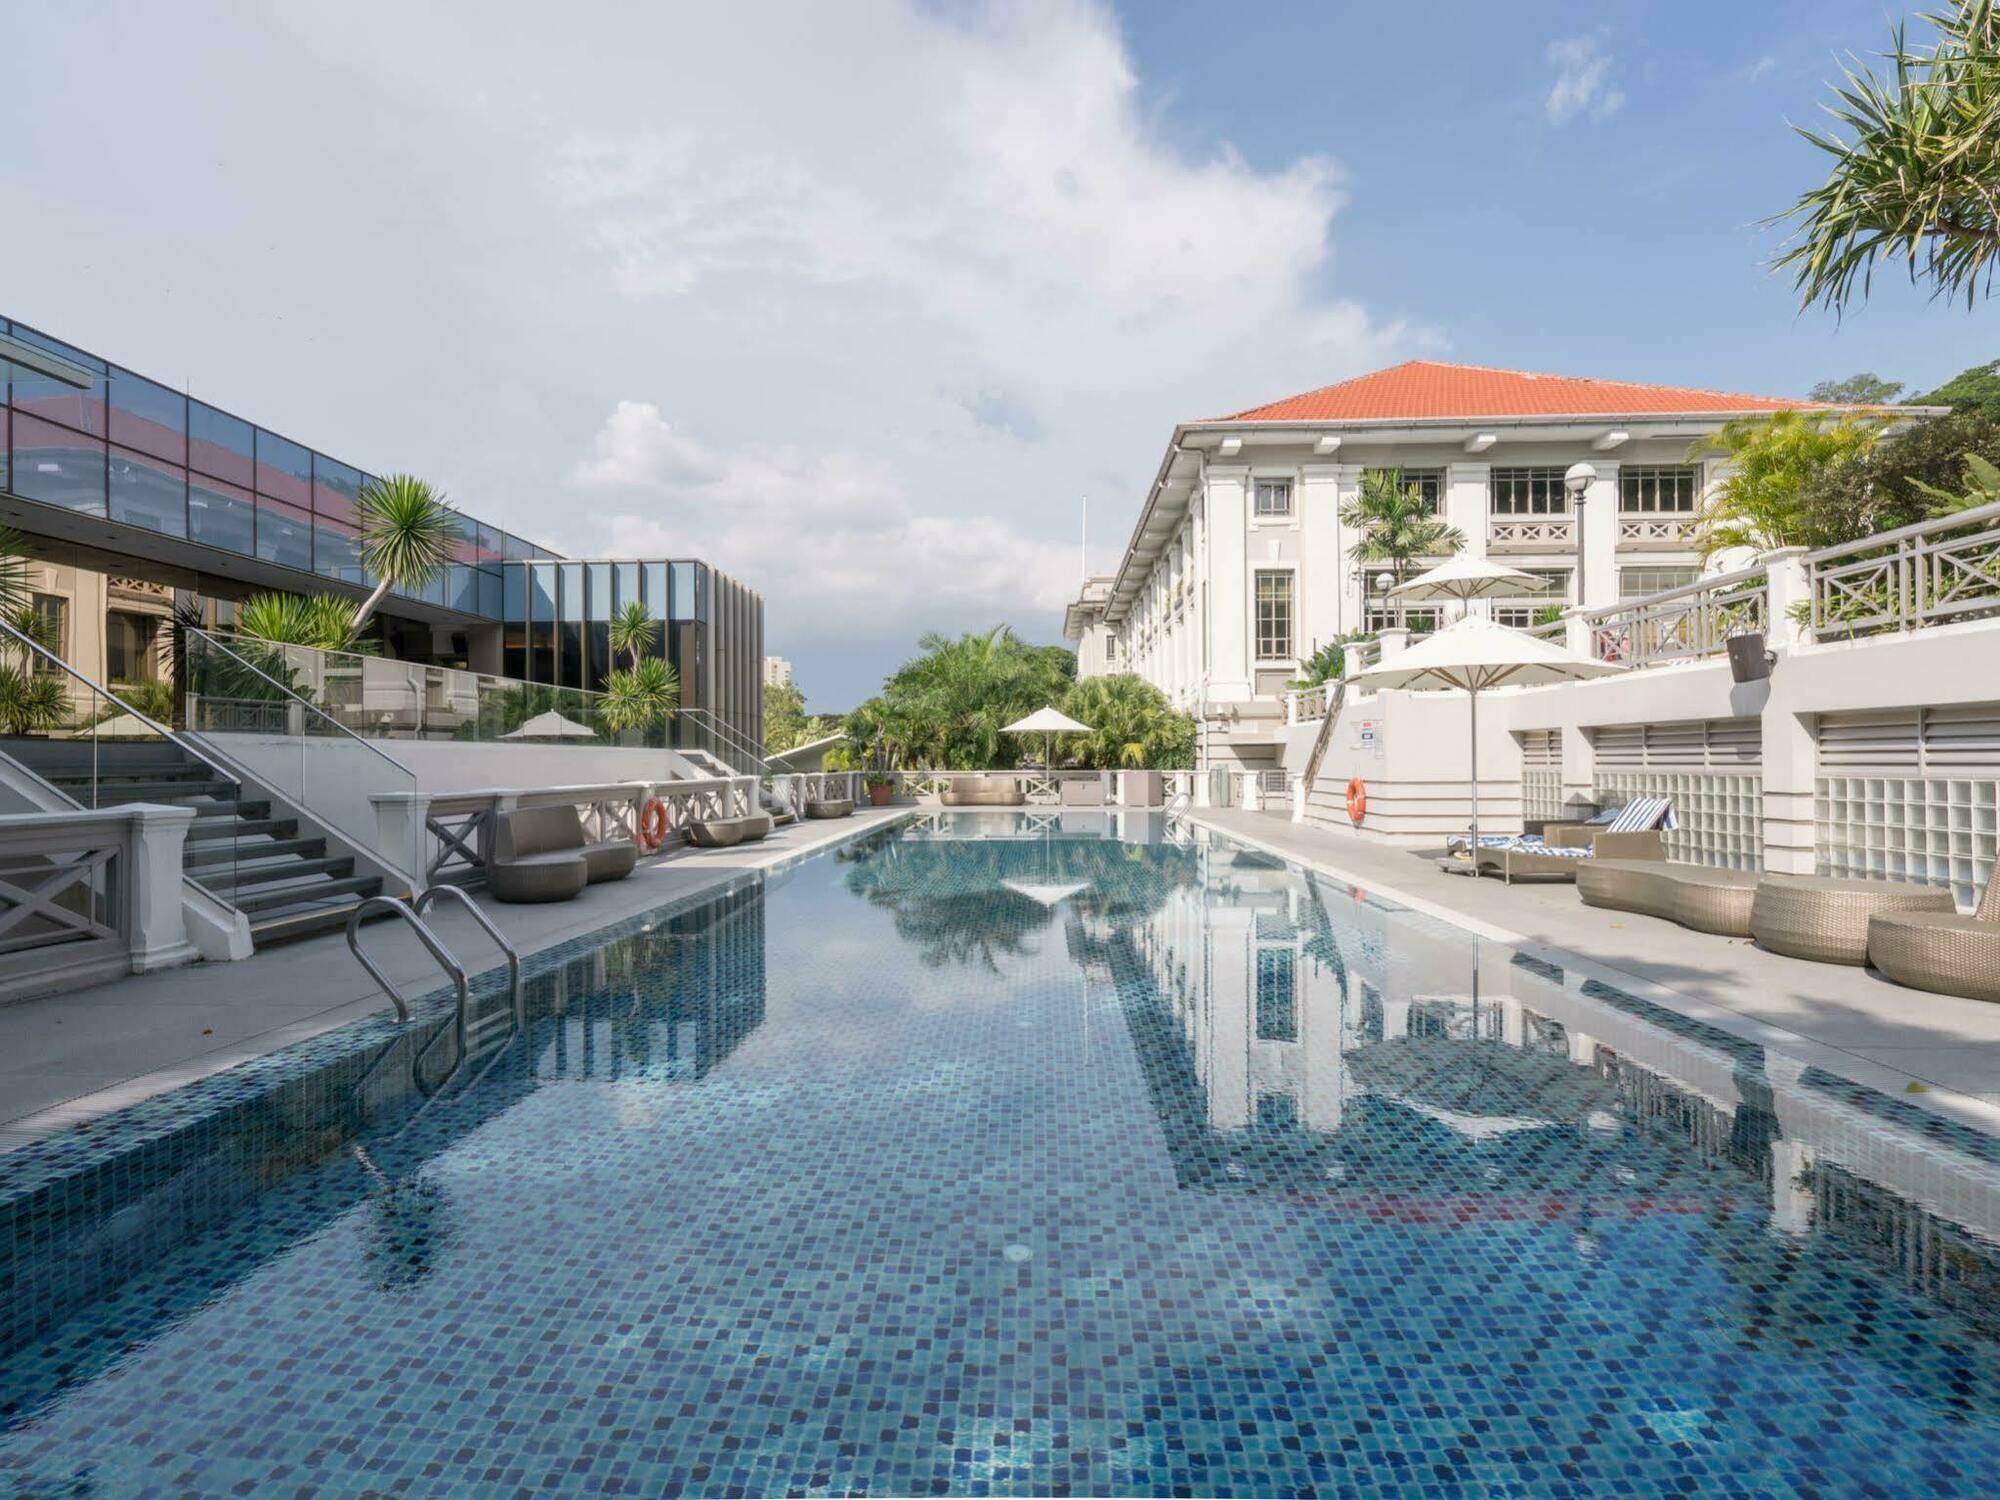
{"x": 777, "y": 672}
{"x": 1240, "y": 565}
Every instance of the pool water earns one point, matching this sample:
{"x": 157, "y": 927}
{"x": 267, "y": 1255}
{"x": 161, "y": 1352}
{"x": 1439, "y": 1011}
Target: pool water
{"x": 1013, "y": 1153}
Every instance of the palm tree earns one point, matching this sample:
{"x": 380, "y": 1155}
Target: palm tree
{"x": 1131, "y": 725}
{"x": 16, "y": 592}
{"x": 1913, "y": 175}
{"x": 316, "y": 620}
{"x": 632, "y": 631}
{"x": 1396, "y": 526}
{"x": 407, "y": 536}
{"x": 641, "y": 696}
{"x": 1765, "y": 499}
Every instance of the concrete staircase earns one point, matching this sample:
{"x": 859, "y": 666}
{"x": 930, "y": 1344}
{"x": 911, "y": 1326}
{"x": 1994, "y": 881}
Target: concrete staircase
{"x": 263, "y": 859}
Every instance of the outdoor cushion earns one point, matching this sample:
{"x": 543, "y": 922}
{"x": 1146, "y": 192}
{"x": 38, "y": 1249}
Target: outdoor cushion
{"x": 538, "y": 877}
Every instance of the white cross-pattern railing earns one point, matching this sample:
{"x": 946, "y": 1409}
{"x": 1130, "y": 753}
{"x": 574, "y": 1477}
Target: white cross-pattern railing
{"x": 1664, "y": 533}
{"x": 1308, "y": 705}
{"x": 1927, "y": 574}
{"x": 1529, "y": 533}
{"x": 1678, "y": 624}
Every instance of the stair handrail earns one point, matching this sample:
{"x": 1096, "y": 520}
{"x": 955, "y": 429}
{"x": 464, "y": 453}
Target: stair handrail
{"x": 293, "y": 694}
{"x": 37, "y": 648}
{"x": 1335, "y": 700}
{"x": 478, "y": 913}
{"x": 736, "y": 739}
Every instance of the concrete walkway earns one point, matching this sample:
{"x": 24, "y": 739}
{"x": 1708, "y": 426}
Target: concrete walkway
{"x": 1854, "y": 1015}
{"x": 72, "y": 1057}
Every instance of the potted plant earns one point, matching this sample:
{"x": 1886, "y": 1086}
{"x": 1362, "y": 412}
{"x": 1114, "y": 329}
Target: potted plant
{"x": 881, "y": 787}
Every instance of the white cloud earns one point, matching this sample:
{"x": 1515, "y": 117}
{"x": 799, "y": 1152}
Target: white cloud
{"x": 1583, "y": 83}
{"x": 1761, "y": 69}
{"x": 857, "y": 301}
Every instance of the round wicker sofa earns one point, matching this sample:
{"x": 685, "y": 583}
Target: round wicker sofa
{"x": 1708, "y": 900}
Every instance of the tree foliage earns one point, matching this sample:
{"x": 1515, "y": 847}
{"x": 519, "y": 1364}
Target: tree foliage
{"x": 1767, "y": 498}
{"x": 785, "y": 721}
{"x": 1896, "y": 482}
{"x": 1132, "y": 726}
{"x": 945, "y": 709}
{"x": 641, "y": 696}
{"x": 317, "y": 620}
{"x": 1864, "y": 389}
{"x": 1396, "y": 527}
{"x": 1976, "y": 389}
{"x": 407, "y": 534}
{"x": 1916, "y": 164}
{"x": 632, "y": 632}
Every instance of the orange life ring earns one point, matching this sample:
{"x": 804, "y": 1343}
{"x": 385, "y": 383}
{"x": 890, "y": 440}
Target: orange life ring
{"x": 1357, "y": 800}
{"x": 653, "y": 824}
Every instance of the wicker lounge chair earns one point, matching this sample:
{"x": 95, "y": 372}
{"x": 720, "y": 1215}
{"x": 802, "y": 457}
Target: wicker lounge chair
{"x": 982, "y": 791}
{"x": 1950, "y": 954}
{"x": 539, "y": 854}
{"x": 721, "y": 833}
{"x": 1708, "y": 900}
{"x": 1827, "y": 920}
{"x": 831, "y": 807}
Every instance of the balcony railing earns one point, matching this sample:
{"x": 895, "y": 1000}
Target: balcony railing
{"x": 1927, "y": 574}
{"x": 1677, "y": 624}
{"x": 1661, "y": 533}
{"x": 1529, "y": 533}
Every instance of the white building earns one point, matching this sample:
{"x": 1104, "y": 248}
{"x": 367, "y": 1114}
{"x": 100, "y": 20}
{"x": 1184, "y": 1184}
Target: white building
{"x": 777, "y": 672}
{"x": 1240, "y": 566}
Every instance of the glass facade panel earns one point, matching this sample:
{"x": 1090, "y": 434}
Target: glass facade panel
{"x": 57, "y": 400}
{"x": 515, "y": 547}
{"x": 220, "y": 445}
{"x": 461, "y": 588}
{"x": 284, "y": 470}
{"x": 491, "y": 544}
{"x": 284, "y": 534}
{"x": 336, "y": 486}
{"x": 58, "y": 466}
{"x": 569, "y": 631}
{"x": 147, "y": 492}
{"x": 220, "y": 515}
{"x": 657, "y": 599}
{"x": 489, "y": 594}
{"x": 337, "y": 551}
{"x": 147, "y": 417}
{"x": 542, "y": 627}
{"x": 628, "y": 585}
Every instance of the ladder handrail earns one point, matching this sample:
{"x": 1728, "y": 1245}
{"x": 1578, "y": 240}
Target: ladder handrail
{"x": 446, "y": 960}
{"x": 478, "y": 914}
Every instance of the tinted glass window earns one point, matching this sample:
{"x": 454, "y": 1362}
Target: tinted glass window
{"x": 337, "y": 552}
{"x": 462, "y": 588}
{"x": 491, "y": 543}
{"x": 284, "y": 534}
{"x": 572, "y": 590}
{"x": 514, "y": 602}
{"x": 515, "y": 546}
{"x": 284, "y": 470}
{"x": 56, "y": 400}
{"x": 466, "y": 548}
{"x": 489, "y": 595}
{"x": 220, "y": 515}
{"x": 600, "y": 590}
{"x": 57, "y": 466}
{"x": 220, "y": 444}
{"x": 335, "y": 486}
{"x": 146, "y": 492}
{"x": 685, "y": 604}
{"x": 656, "y": 590}
{"x": 148, "y": 417}
{"x": 628, "y": 584}
{"x": 542, "y": 591}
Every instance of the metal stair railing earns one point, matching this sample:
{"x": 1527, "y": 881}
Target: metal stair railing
{"x": 478, "y": 914}
{"x": 444, "y": 956}
{"x": 1324, "y": 738}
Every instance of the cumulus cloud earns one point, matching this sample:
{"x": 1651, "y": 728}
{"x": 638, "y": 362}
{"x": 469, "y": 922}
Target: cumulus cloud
{"x": 1583, "y": 83}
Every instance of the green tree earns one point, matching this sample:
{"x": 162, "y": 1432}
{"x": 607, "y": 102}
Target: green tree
{"x": 945, "y": 708}
{"x": 1981, "y": 486}
{"x": 1765, "y": 500}
{"x": 1396, "y": 527}
{"x": 1916, "y": 157}
{"x": 1131, "y": 725}
{"x": 633, "y": 632}
{"x": 317, "y": 620}
{"x": 785, "y": 721}
{"x": 1976, "y": 389}
{"x": 641, "y": 696}
{"x": 1865, "y": 389}
{"x": 407, "y": 536}
{"x": 1895, "y": 482}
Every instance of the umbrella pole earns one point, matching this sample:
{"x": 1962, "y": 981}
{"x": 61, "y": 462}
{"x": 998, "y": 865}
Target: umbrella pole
{"x": 1474, "y": 716}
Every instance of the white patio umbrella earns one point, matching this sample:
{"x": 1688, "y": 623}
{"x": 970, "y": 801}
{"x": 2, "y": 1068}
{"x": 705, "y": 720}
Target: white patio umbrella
{"x": 1464, "y": 579}
{"x": 1047, "y": 721}
{"x": 551, "y": 726}
{"x": 1476, "y": 655}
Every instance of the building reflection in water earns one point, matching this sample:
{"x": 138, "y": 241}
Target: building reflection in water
{"x": 1300, "y": 1036}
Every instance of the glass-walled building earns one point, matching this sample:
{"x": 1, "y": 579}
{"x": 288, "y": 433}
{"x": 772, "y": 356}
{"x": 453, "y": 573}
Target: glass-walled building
{"x": 128, "y": 492}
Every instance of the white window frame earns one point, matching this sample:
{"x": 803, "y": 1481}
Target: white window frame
{"x": 1550, "y": 475}
{"x": 1419, "y": 475}
{"x": 1291, "y": 573}
{"x": 1520, "y": 611}
{"x": 1638, "y": 472}
{"x": 1258, "y": 484}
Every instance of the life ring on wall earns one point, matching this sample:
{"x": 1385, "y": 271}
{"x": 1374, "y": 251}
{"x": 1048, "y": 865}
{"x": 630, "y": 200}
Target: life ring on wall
{"x": 653, "y": 824}
{"x": 1357, "y": 800}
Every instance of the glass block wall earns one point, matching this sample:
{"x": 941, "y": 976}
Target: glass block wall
{"x": 1542, "y": 794}
{"x": 1936, "y": 829}
{"x": 1721, "y": 814}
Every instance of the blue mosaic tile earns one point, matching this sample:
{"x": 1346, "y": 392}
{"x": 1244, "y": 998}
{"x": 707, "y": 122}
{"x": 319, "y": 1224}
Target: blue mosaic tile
{"x": 1003, "y": 1155}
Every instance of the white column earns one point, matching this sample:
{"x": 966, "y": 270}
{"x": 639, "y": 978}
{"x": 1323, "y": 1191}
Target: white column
{"x": 158, "y": 931}
{"x": 1227, "y": 509}
{"x": 1320, "y": 583}
{"x": 1597, "y": 539}
{"x": 1466, "y": 494}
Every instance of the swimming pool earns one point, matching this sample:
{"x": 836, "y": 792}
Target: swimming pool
{"x": 1010, "y": 1152}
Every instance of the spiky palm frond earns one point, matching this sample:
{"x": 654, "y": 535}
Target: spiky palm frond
{"x": 16, "y": 591}
{"x": 1916, "y": 169}
{"x": 316, "y": 620}
{"x": 1131, "y": 725}
{"x": 643, "y": 696}
{"x": 633, "y": 631}
{"x": 407, "y": 535}
{"x": 1396, "y": 526}
{"x": 32, "y": 702}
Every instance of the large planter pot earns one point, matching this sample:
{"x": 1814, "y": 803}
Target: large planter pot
{"x": 880, "y": 795}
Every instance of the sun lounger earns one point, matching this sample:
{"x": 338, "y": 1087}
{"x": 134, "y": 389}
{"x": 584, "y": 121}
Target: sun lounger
{"x": 721, "y": 833}
{"x": 1829, "y": 921}
{"x": 539, "y": 854}
{"x": 1633, "y": 832}
{"x": 982, "y": 791}
{"x": 1708, "y": 900}
{"x": 1941, "y": 951}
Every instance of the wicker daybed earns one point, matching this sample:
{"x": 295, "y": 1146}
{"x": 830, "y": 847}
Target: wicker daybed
{"x": 1950, "y": 954}
{"x": 1827, "y": 921}
{"x": 1708, "y": 900}
{"x": 1564, "y": 846}
{"x": 982, "y": 791}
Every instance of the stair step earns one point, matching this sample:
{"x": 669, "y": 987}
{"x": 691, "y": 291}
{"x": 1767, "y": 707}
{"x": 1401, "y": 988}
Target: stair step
{"x": 314, "y": 891}
{"x": 307, "y": 921}
{"x": 224, "y": 828}
{"x": 227, "y": 851}
{"x": 287, "y": 868}
{"x": 111, "y": 792}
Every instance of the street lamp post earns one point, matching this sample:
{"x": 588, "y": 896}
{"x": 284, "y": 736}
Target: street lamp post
{"x": 1577, "y": 479}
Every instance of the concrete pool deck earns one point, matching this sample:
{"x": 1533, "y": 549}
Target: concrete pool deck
{"x": 1850, "y": 1019}
{"x": 74, "y": 1056}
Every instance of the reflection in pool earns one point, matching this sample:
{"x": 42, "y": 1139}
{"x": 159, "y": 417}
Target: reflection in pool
{"x": 1016, "y": 1152}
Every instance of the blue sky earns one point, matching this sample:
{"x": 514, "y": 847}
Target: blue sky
{"x": 860, "y": 300}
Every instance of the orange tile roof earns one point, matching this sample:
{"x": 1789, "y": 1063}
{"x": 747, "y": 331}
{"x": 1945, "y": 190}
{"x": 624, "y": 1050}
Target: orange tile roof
{"x": 1425, "y": 388}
